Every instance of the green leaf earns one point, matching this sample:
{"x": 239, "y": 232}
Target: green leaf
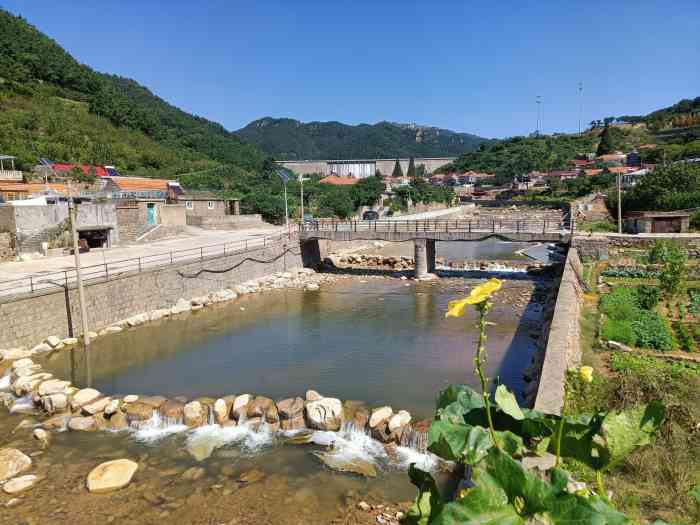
{"x": 695, "y": 493}
{"x": 477, "y": 445}
{"x": 511, "y": 443}
{"x": 623, "y": 432}
{"x": 569, "y": 509}
{"x": 428, "y": 503}
{"x": 506, "y": 401}
{"x": 448, "y": 440}
{"x": 485, "y": 504}
{"x": 456, "y": 402}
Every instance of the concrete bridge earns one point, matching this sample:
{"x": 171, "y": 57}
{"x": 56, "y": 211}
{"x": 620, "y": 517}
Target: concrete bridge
{"x": 424, "y": 233}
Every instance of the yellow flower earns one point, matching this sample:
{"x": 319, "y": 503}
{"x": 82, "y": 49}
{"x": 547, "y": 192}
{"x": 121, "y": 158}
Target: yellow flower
{"x": 586, "y": 374}
{"x": 478, "y": 295}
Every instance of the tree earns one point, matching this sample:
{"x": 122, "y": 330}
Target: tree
{"x": 398, "y": 172}
{"x": 606, "y": 144}
{"x": 411, "y": 171}
{"x": 421, "y": 172}
{"x": 673, "y": 260}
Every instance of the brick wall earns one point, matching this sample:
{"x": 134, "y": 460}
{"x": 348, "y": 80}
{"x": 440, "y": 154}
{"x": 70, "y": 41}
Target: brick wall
{"x": 28, "y": 321}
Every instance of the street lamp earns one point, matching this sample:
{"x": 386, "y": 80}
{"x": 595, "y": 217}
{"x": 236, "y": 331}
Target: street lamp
{"x": 301, "y": 190}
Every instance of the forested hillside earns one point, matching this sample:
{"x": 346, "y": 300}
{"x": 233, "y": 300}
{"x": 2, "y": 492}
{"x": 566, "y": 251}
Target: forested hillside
{"x": 289, "y": 139}
{"x": 52, "y": 106}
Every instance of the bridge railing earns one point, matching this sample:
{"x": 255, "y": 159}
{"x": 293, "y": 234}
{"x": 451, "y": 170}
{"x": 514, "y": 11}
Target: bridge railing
{"x": 484, "y": 225}
{"x": 52, "y": 281}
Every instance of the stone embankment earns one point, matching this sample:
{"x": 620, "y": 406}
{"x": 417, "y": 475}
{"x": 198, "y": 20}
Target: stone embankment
{"x": 302, "y": 279}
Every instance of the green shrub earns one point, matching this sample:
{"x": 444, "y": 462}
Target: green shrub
{"x": 618, "y": 330}
{"x": 695, "y": 221}
{"x": 648, "y": 296}
{"x": 651, "y": 331}
{"x": 684, "y": 339}
{"x": 620, "y": 304}
{"x": 694, "y": 306}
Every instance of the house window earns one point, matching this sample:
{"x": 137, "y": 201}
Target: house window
{"x": 189, "y": 205}
{"x": 210, "y": 205}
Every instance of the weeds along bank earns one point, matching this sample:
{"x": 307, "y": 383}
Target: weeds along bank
{"x": 639, "y": 331}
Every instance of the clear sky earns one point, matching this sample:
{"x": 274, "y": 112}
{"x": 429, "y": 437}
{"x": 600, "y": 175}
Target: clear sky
{"x": 462, "y": 65}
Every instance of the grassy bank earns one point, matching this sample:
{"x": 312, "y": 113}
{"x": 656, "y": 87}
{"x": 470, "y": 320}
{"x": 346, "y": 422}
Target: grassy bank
{"x": 654, "y": 482}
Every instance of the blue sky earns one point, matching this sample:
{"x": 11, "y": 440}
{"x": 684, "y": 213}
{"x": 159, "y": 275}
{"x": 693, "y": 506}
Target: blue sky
{"x": 467, "y": 66}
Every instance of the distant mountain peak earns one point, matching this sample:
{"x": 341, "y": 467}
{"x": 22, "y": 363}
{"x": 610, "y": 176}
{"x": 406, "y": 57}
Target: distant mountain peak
{"x": 290, "y": 139}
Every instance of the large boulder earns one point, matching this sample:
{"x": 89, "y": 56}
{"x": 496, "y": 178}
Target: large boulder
{"x": 263, "y": 407}
{"x": 291, "y": 413}
{"x": 12, "y": 462}
{"x": 173, "y": 411}
{"x": 83, "y": 397}
{"x": 221, "y": 411}
{"x": 53, "y": 341}
{"x": 240, "y": 406}
{"x": 138, "y": 411}
{"x": 112, "y": 475}
{"x": 137, "y": 319}
{"x": 155, "y": 315}
{"x": 324, "y": 414}
{"x": 85, "y": 424}
{"x": 96, "y": 406}
{"x": 54, "y": 403}
{"x": 380, "y": 415}
{"x": 52, "y": 386}
{"x": 195, "y": 414}
{"x": 20, "y": 483}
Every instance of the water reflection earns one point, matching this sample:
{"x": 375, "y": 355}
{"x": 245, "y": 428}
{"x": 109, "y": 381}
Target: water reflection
{"x": 381, "y": 341}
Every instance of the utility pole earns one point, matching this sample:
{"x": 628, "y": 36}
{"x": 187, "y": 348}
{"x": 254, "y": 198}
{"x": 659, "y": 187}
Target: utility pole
{"x": 81, "y": 291}
{"x": 619, "y": 203}
{"x": 301, "y": 191}
{"x": 580, "y": 105}
{"x": 538, "y": 100}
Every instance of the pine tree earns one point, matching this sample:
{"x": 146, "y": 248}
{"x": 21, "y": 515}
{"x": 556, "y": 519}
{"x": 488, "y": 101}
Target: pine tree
{"x": 606, "y": 142}
{"x": 398, "y": 172}
{"x": 411, "y": 172}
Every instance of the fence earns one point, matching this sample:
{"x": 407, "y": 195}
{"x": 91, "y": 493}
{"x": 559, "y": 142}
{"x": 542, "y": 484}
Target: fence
{"x": 493, "y": 225}
{"x": 50, "y": 282}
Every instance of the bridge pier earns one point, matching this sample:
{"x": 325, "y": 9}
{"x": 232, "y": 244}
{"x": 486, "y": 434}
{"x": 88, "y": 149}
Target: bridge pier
{"x": 424, "y": 257}
{"x": 310, "y": 253}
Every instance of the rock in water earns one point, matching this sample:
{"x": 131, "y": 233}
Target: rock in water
{"x": 19, "y": 484}
{"x": 12, "y": 462}
{"x": 324, "y": 414}
{"x": 112, "y": 475}
{"x": 353, "y": 465}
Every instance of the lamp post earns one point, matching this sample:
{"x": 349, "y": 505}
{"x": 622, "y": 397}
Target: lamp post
{"x": 301, "y": 191}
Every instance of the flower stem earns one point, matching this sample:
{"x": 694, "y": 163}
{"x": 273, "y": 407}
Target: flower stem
{"x": 479, "y": 361}
{"x": 601, "y": 487}
{"x": 560, "y": 432}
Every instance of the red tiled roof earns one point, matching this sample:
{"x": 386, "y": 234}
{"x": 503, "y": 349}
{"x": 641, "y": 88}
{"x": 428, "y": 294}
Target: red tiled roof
{"x": 140, "y": 184}
{"x": 339, "y": 181}
{"x": 29, "y": 187}
{"x": 591, "y": 173}
{"x": 100, "y": 171}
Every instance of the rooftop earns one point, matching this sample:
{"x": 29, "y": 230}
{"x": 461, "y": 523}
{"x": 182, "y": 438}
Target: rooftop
{"x": 339, "y": 181}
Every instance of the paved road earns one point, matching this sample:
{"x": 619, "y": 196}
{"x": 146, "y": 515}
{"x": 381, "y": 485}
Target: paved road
{"x": 199, "y": 242}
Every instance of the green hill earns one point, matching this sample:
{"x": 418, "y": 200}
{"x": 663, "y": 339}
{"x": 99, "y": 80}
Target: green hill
{"x": 289, "y": 139}
{"x": 52, "y": 106}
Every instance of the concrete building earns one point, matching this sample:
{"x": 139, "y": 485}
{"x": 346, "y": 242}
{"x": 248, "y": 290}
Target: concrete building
{"x": 657, "y": 222}
{"x": 36, "y": 224}
{"x": 361, "y": 168}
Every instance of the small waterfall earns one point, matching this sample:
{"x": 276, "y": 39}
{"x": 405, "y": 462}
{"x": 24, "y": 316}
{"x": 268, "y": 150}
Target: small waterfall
{"x": 211, "y": 419}
{"x": 5, "y": 383}
{"x": 155, "y": 428}
{"x": 415, "y": 439}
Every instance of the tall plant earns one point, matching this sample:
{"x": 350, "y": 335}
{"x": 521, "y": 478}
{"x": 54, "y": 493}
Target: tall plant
{"x": 489, "y": 439}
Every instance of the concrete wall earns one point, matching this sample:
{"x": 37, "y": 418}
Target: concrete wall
{"x": 7, "y": 246}
{"x": 201, "y": 209}
{"x": 27, "y": 321}
{"x": 173, "y": 215}
{"x": 386, "y": 166}
{"x": 227, "y": 222}
{"x": 563, "y": 348}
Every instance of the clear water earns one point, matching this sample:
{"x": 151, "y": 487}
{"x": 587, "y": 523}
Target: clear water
{"x": 381, "y": 341}
{"x": 378, "y": 340}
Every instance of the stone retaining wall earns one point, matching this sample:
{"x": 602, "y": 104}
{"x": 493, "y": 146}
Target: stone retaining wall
{"x": 600, "y": 247}
{"x": 562, "y": 350}
{"x": 7, "y": 247}
{"x": 27, "y": 320}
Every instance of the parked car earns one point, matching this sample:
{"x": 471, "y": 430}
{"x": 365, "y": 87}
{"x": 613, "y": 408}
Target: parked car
{"x": 370, "y": 215}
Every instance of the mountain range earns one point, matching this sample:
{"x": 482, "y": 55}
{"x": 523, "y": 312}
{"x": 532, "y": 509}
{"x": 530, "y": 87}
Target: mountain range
{"x": 289, "y": 139}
